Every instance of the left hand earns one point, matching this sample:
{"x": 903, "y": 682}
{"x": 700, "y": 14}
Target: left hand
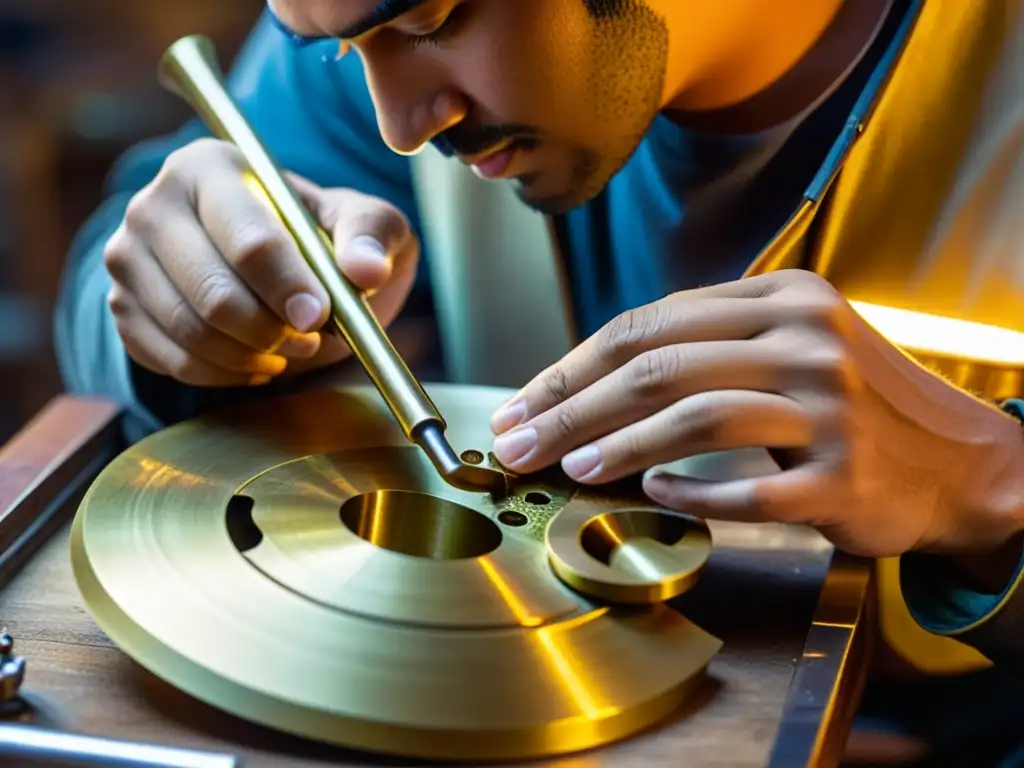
{"x": 883, "y": 456}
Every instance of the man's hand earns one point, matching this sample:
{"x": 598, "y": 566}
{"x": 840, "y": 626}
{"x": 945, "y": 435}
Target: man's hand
{"x": 209, "y": 288}
{"x": 881, "y": 455}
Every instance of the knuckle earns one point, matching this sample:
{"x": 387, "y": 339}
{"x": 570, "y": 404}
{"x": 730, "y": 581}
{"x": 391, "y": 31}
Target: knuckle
{"x": 556, "y": 385}
{"x": 706, "y": 424}
{"x": 652, "y": 373}
{"x": 138, "y": 215}
{"x": 565, "y": 422}
{"x": 834, "y": 364}
{"x": 630, "y": 333}
{"x": 117, "y": 254}
{"x": 254, "y": 245}
{"x": 824, "y": 307}
{"x": 117, "y": 302}
{"x": 632, "y": 452}
{"x": 190, "y": 333}
{"x": 181, "y": 164}
{"x": 214, "y": 297}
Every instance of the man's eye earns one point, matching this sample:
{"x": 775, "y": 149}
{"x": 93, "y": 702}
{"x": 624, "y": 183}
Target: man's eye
{"x": 445, "y": 30}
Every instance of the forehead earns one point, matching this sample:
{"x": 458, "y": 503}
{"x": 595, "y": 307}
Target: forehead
{"x": 339, "y": 18}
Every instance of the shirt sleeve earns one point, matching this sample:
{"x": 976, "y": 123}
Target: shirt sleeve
{"x": 943, "y": 601}
{"x": 315, "y": 115}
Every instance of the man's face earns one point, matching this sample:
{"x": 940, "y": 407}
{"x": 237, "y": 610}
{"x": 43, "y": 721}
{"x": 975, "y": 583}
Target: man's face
{"x": 555, "y": 94}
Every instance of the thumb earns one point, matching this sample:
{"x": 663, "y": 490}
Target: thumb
{"x": 368, "y": 233}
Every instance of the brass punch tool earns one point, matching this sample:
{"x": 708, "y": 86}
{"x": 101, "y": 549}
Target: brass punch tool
{"x": 190, "y": 70}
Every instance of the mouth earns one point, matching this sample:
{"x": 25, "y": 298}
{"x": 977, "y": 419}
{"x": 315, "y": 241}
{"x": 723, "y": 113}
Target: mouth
{"x": 495, "y": 163}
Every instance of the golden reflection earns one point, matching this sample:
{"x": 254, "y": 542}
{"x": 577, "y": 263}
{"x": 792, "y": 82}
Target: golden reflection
{"x": 574, "y": 680}
{"x": 155, "y": 475}
{"x": 523, "y": 613}
{"x": 944, "y": 336}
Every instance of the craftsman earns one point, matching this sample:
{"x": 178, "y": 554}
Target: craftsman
{"x": 669, "y": 142}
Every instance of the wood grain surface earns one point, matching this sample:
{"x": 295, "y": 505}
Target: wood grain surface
{"x": 759, "y": 594}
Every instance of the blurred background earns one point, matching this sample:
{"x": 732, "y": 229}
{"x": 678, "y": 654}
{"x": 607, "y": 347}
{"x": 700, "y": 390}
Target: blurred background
{"x": 77, "y": 88}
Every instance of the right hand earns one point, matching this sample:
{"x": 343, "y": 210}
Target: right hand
{"x": 210, "y": 289}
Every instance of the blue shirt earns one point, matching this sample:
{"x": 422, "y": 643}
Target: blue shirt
{"x": 686, "y": 210}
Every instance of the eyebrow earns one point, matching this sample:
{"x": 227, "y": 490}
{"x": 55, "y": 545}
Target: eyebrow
{"x": 385, "y": 12}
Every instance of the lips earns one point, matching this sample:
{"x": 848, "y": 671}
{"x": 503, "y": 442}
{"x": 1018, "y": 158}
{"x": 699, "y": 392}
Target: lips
{"x": 494, "y": 164}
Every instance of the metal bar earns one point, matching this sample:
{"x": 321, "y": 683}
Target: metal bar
{"x": 829, "y": 678}
{"x": 37, "y": 746}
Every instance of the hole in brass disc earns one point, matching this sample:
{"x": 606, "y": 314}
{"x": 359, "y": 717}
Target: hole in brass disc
{"x": 538, "y": 498}
{"x": 602, "y": 535}
{"x": 473, "y": 457}
{"x": 242, "y": 529}
{"x": 512, "y": 518}
{"x": 420, "y": 525}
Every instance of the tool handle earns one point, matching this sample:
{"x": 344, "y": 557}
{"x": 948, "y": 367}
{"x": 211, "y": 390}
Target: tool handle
{"x": 189, "y": 68}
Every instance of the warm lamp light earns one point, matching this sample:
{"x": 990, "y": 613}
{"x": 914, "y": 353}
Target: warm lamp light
{"x": 982, "y": 358}
{"x": 945, "y": 336}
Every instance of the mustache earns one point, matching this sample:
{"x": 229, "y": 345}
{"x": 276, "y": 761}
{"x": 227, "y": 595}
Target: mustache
{"x": 471, "y": 140}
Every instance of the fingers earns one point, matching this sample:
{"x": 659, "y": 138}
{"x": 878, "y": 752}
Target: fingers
{"x": 207, "y": 268}
{"x": 645, "y": 385}
{"x": 158, "y": 298}
{"x": 786, "y": 497}
{"x": 628, "y": 337}
{"x": 257, "y": 247}
{"x": 153, "y": 349}
{"x": 704, "y": 423}
{"x": 371, "y": 238}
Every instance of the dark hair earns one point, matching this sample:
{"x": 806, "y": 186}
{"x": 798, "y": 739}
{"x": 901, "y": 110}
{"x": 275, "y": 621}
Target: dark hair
{"x": 606, "y": 9}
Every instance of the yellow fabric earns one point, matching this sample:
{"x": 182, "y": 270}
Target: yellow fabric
{"x": 926, "y": 214}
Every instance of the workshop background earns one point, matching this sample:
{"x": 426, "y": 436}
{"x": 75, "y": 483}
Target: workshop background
{"x": 77, "y": 88}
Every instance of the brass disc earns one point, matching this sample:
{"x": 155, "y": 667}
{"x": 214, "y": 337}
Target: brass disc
{"x": 298, "y": 564}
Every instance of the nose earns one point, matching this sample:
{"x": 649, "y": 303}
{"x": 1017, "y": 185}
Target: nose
{"x": 411, "y": 113}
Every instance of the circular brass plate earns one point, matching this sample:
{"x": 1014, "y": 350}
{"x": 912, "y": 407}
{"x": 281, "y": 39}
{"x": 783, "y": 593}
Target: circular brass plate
{"x": 298, "y": 564}
{"x": 627, "y": 555}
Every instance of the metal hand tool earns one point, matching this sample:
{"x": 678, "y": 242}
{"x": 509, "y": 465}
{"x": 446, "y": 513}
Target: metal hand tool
{"x": 189, "y": 69}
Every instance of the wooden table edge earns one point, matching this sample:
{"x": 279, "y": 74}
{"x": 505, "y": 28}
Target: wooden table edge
{"x": 46, "y": 467}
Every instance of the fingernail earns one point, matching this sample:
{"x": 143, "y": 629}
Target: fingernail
{"x": 303, "y": 311}
{"x": 512, "y": 447}
{"x": 511, "y": 414}
{"x": 583, "y": 463}
{"x": 369, "y": 248}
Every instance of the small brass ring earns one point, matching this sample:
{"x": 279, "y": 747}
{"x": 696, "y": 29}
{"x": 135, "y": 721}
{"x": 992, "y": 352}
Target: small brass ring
{"x": 630, "y": 555}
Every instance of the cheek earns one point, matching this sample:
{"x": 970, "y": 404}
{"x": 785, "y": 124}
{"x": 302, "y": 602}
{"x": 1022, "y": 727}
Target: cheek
{"x": 526, "y": 62}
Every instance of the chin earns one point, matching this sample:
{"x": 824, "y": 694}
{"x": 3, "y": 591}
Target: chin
{"x": 558, "y": 203}
{"x": 552, "y": 201}
{"x": 579, "y": 182}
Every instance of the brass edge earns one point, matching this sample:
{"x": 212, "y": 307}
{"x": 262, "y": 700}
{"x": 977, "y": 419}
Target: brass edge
{"x": 830, "y": 675}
